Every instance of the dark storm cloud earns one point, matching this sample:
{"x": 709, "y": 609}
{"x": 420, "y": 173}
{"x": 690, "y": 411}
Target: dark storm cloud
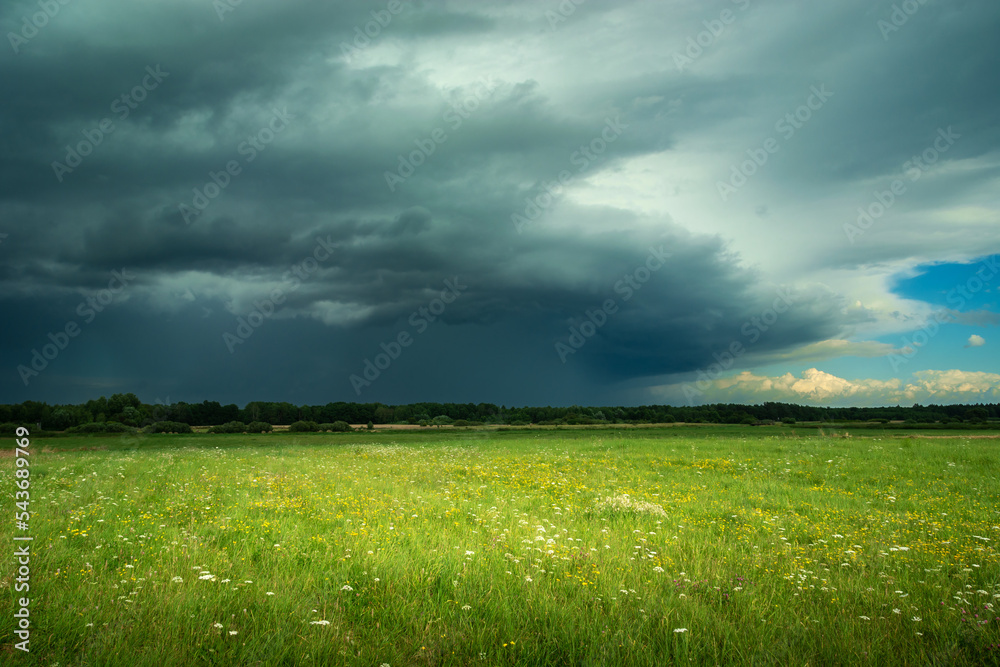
{"x": 522, "y": 104}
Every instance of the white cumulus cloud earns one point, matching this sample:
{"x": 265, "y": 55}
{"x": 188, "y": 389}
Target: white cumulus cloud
{"x": 818, "y": 387}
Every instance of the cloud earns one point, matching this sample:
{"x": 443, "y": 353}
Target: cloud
{"x": 829, "y": 349}
{"x": 553, "y": 90}
{"x": 976, "y": 340}
{"x": 820, "y": 388}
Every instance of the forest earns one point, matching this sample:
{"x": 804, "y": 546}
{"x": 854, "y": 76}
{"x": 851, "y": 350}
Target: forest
{"x": 129, "y": 410}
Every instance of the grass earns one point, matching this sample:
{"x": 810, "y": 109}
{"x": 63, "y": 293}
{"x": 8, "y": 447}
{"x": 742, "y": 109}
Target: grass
{"x": 722, "y": 545}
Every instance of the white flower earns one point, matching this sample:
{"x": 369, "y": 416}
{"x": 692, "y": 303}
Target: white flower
{"x": 680, "y": 629}
{"x": 917, "y": 619}
{"x": 177, "y": 580}
{"x": 217, "y": 625}
{"x": 209, "y": 577}
{"x": 528, "y": 579}
{"x": 270, "y": 593}
{"x": 319, "y": 622}
{"x": 895, "y": 611}
{"x": 470, "y": 553}
{"x": 865, "y": 618}
{"x": 234, "y": 632}
{"x": 345, "y": 587}
{"x": 466, "y": 607}
{"x": 657, "y": 569}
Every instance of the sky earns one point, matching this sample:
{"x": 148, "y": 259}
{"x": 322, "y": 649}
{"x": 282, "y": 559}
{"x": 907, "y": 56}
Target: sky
{"x": 524, "y": 203}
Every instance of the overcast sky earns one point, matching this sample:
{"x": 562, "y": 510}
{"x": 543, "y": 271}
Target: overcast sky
{"x": 521, "y": 202}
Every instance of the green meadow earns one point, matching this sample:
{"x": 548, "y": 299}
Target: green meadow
{"x": 720, "y": 545}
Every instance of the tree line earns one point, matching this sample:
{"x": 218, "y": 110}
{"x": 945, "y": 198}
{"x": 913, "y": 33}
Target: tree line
{"x": 127, "y": 409}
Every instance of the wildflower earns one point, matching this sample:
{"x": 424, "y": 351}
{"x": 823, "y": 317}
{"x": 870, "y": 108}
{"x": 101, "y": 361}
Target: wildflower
{"x": 270, "y": 593}
{"x": 528, "y": 579}
{"x": 917, "y": 619}
{"x": 319, "y": 622}
{"x": 466, "y": 607}
{"x": 896, "y": 611}
{"x": 217, "y": 625}
{"x": 864, "y": 618}
{"x": 680, "y": 629}
{"x": 234, "y": 632}
{"x": 345, "y": 587}
{"x": 177, "y": 580}
{"x": 657, "y": 569}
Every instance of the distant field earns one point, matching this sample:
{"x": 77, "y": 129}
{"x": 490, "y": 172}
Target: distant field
{"x": 653, "y": 546}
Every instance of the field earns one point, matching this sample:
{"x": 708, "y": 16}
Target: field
{"x": 730, "y": 546}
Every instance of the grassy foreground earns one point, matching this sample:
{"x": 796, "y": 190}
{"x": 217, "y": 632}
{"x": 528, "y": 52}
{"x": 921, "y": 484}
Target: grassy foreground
{"x": 730, "y": 547}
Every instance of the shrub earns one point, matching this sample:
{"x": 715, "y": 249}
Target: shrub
{"x": 102, "y": 427}
{"x": 259, "y": 427}
{"x": 336, "y": 427}
{"x": 167, "y": 427}
{"x": 8, "y": 428}
{"x": 304, "y": 427}
{"x": 230, "y": 427}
